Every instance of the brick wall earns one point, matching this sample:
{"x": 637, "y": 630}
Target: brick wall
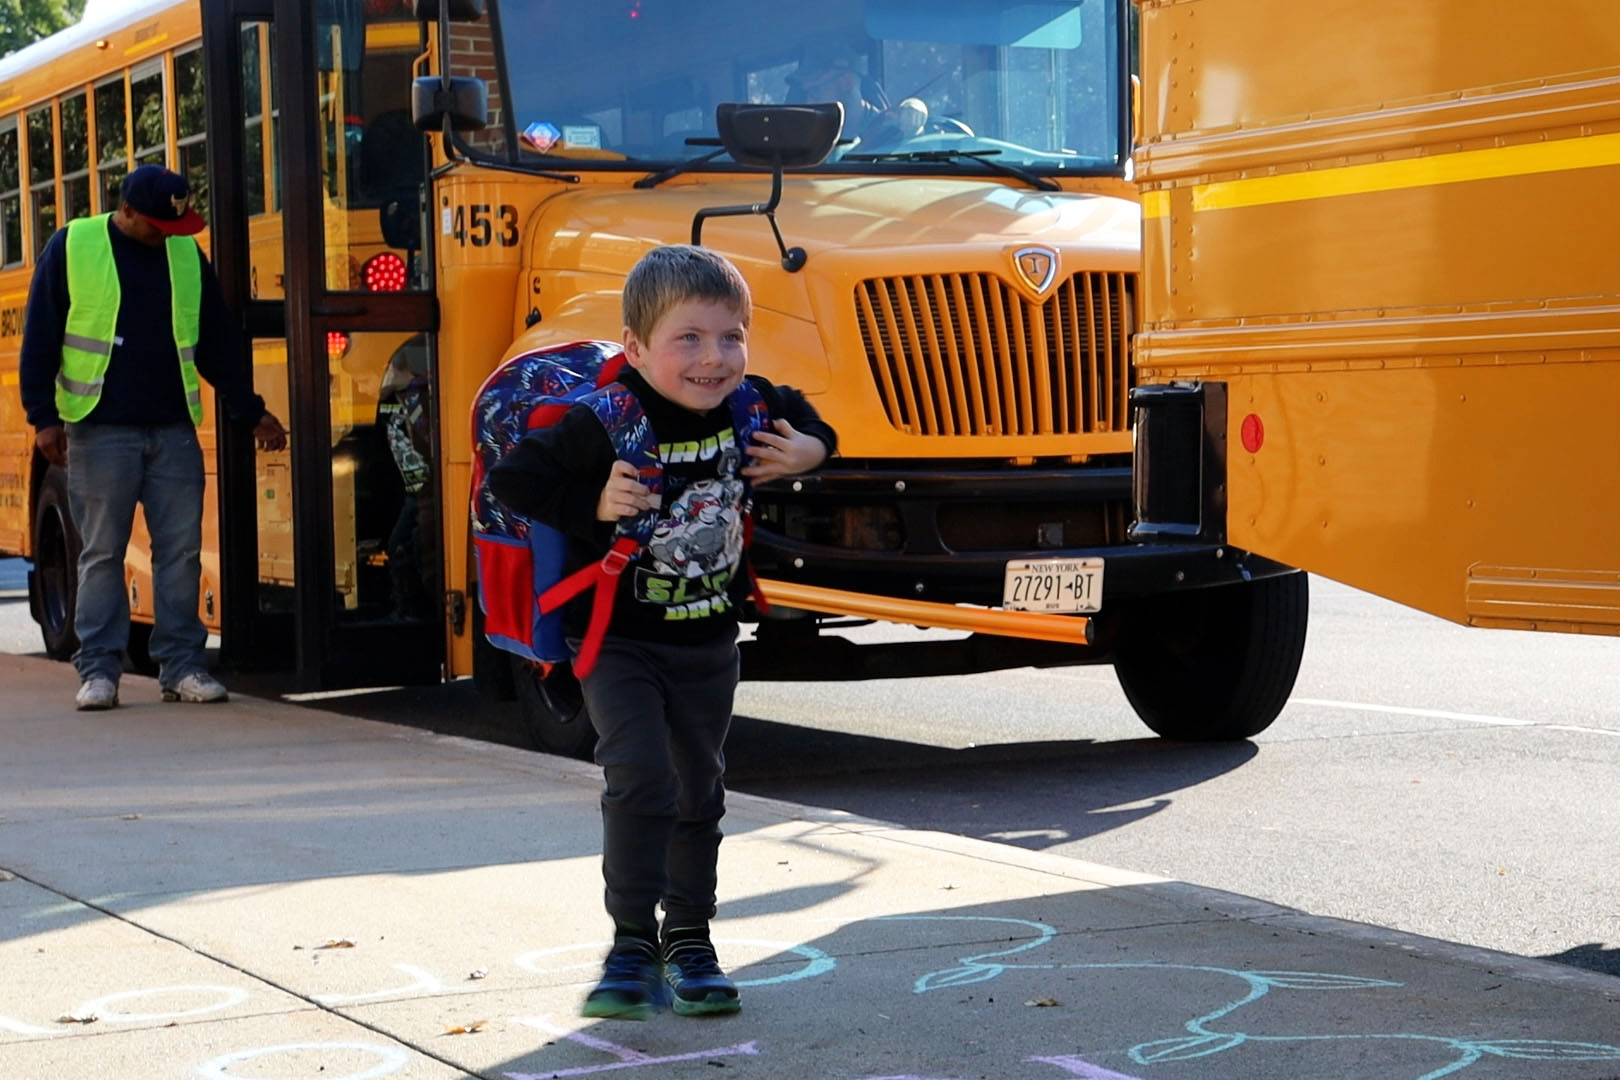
{"x": 472, "y": 52}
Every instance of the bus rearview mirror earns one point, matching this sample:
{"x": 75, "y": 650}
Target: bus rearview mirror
{"x": 465, "y": 102}
{"x": 779, "y": 136}
{"x": 460, "y": 10}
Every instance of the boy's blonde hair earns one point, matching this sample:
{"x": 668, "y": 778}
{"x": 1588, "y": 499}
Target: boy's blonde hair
{"x": 669, "y": 275}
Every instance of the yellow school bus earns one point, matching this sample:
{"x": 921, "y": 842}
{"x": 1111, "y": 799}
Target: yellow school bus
{"x": 955, "y": 287}
{"x": 1380, "y": 297}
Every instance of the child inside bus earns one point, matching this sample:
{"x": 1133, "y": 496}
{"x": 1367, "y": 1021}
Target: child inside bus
{"x": 660, "y": 691}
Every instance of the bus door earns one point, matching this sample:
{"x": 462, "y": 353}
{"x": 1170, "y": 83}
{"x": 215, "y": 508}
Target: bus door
{"x": 330, "y": 550}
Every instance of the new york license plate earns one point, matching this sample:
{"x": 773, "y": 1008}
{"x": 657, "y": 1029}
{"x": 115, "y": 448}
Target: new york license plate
{"x": 1056, "y": 585}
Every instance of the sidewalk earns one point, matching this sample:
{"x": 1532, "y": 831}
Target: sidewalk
{"x": 260, "y": 890}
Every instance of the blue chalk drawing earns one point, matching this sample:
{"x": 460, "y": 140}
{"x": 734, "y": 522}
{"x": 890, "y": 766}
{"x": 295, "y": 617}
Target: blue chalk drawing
{"x": 1201, "y": 1041}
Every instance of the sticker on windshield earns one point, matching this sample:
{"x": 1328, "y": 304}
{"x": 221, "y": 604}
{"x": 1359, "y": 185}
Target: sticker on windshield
{"x": 582, "y": 135}
{"x": 540, "y": 136}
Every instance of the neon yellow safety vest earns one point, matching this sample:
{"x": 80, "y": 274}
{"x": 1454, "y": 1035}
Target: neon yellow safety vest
{"x": 92, "y": 320}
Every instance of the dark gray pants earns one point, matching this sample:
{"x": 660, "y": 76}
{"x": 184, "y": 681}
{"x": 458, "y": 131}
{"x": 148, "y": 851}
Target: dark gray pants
{"x": 661, "y": 714}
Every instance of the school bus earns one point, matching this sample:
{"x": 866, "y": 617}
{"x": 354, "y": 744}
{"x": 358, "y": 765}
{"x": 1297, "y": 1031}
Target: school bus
{"x": 1380, "y": 301}
{"x": 955, "y": 286}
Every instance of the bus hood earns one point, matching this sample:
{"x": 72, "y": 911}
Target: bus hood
{"x": 850, "y": 228}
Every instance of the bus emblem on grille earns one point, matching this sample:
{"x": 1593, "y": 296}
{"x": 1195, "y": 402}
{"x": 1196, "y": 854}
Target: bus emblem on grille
{"x": 1038, "y": 267}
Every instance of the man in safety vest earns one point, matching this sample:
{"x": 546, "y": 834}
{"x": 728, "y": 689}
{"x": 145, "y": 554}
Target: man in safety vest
{"x": 124, "y": 315}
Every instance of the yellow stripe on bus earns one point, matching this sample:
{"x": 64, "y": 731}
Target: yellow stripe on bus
{"x": 1155, "y": 204}
{"x": 1561, "y": 155}
{"x": 10, "y": 378}
{"x": 148, "y": 44}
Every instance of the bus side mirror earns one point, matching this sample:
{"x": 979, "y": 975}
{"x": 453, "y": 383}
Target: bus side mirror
{"x": 460, "y": 10}
{"x": 465, "y": 102}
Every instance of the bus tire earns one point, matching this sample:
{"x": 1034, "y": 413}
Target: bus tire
{"x": 553, "y": 709}
{"x": 138, "y": 653}
{"x": 493, "y": 675}
{"x": 1216, "y": 664}
{"x": 54, "y": 584}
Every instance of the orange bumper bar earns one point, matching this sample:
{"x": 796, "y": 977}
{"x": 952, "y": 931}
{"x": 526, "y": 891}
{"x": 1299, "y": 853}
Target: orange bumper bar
{"x": 1021, "y": 624}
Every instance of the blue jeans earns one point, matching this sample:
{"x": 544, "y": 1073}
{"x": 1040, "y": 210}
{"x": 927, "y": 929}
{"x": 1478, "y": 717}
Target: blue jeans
{"x": 110, "y": 468}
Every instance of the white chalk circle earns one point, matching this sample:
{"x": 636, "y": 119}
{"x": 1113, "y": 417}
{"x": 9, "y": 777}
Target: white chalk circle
{"x": 393, "y": 1059}
{"x": 102, "y": 1006}
{"x": 816, "y": 962}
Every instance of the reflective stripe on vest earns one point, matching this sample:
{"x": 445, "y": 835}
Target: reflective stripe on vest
{"x": 92, "y": 320}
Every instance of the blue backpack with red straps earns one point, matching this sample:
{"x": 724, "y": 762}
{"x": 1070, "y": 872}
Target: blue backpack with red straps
{"x": 522, "y": 588}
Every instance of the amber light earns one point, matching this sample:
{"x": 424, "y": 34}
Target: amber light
{"x": 384, "y": 273}
{"x": 337, "y": 344}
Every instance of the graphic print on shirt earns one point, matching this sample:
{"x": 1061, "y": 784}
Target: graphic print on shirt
{"x": 698, "y": 541}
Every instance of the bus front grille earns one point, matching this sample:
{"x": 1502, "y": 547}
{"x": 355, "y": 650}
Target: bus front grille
{"x": 967, "y": 354}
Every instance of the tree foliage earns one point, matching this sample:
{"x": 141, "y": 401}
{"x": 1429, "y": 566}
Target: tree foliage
{"x": 23, "y": 22}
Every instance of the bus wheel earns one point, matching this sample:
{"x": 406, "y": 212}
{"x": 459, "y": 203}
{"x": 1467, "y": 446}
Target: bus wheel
{"x": 56, "y": 566}
{"x": 138, "y": 653}
{"x": 553, "y": 708}
{"x": 1217, "y": 664}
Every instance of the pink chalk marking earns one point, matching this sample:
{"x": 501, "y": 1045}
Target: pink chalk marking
{"x": 1082, "y": 1069}
{"x": 628, "y": 1058}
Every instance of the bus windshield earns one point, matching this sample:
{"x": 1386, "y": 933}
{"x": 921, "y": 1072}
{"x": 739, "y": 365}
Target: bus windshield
{"x": 1036, "y": 84}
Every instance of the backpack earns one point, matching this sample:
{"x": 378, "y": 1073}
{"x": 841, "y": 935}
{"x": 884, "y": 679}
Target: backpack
{"x": 522, "y": 589}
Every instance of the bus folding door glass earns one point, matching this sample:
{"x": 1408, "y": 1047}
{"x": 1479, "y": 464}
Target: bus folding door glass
{"x": 254, "y": 163}
{"x": 371, "y": 155}
{"x": 42, "y": 175}
{"x": 385, "y": 526}
{"x": 11, "y": 246}
{"x": 75, "y": 158}
{"x": 146, "y": 113}
{"x": 112, "y": 141}
{"x": 189, "y": 112}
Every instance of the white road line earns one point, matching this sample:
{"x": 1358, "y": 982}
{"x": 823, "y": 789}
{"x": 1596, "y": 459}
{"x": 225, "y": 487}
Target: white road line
{"x": 1585, "y": 730}
{"x": 1438, "y": 714}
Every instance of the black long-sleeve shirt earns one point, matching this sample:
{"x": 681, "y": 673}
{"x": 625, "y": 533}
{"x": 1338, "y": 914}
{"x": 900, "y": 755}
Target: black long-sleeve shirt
{"x": 686, "y": 584}
{"x": 142, "y": 385}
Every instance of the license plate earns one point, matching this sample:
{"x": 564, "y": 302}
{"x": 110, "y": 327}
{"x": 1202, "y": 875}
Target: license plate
{"x": 1060, "y": 585}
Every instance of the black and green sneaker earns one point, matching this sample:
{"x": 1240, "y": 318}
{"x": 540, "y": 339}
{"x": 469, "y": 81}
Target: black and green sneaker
{"x": 693, "y": 972}
{"x": 632, "y": 986}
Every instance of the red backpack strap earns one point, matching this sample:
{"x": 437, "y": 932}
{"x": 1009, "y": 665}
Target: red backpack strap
{"x": 604, "y": 578}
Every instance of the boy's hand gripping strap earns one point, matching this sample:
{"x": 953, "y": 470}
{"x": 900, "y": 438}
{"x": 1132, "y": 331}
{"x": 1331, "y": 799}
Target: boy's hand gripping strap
{"x": 633, "y": 441}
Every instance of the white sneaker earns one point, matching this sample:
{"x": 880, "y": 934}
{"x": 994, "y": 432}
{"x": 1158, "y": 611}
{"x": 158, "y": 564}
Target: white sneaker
{"x": 198, "y": 686}
{"x": 96, "y": 693}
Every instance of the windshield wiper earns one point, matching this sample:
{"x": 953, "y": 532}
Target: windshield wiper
{"x": 983, "y": 157}
{"x": 652, "y": 180}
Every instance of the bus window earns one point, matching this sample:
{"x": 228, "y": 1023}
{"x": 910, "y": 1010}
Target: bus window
{"x": 189, "y": 110}
{"x": 146, "y": 111}
{"x": 42, "y": 175}
{"x": 75, "y": 158}
{"x": 112, "y": 141}
{"x": 10, "y": 196}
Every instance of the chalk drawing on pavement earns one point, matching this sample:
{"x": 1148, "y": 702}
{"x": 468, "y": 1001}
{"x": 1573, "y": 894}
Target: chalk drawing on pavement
{"x": 624, "y": 1057}
{"x": 102, "y": 1007}
{"x": 815, "y": 963}
{"x": 1203, "y": 1041}
{"x": 390, "y": 1059}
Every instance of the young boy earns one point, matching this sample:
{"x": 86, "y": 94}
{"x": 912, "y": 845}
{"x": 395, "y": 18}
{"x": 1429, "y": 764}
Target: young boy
{"x": 661, "y": 690}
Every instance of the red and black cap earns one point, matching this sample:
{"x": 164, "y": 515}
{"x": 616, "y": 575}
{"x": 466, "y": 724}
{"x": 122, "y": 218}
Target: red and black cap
{"x": 163, "y": 198}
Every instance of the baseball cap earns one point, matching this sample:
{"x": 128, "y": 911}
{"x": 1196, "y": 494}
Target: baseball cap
{"x": 163, "y": 198}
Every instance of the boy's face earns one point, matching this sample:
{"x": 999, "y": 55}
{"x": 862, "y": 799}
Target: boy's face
{"x": 695, "y": 356}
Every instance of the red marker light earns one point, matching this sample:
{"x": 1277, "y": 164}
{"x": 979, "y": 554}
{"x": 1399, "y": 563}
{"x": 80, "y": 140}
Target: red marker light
{"x": 384, "y": 273}
{"x": 1253, "y": 433}
{"x": 337, "y": 344}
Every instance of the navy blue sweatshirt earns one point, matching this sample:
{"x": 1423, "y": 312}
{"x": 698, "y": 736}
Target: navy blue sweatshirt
{"x": 142, "y": 385}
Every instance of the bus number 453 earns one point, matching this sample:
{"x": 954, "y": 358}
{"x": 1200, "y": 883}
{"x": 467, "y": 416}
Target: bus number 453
{"x": 476, "y": 225}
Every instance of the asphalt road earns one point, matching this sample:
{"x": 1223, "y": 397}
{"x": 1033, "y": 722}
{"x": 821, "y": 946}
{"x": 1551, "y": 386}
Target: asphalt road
{"x": 1425, "y": 777}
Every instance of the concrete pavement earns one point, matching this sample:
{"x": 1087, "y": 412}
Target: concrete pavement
{"x": 260, "y": 890}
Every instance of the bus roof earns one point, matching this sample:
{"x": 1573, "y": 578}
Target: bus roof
{"x": 99, "y": 21}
